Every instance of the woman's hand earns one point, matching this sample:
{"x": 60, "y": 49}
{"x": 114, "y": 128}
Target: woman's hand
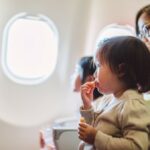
{"x": 87, "y": 94}
{"x": 87, "y": 133}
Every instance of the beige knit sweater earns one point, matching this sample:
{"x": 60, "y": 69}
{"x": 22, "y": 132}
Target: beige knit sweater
{"x": 122, "y": 123}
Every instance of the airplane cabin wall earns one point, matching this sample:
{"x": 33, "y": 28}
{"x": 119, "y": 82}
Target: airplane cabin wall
{"x": 25, "y": 109}
{"x": 105, "y": 12}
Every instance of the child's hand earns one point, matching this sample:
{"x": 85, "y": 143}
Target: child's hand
{"x": 87, "y": 94}
{"x": 87, "y": 133}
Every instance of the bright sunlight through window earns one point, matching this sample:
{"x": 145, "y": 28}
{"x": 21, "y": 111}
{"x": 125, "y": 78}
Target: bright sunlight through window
{"x": 30, "y": 46}
{"x": 113, "y": 30}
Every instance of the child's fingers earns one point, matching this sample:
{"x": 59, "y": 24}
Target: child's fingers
{"x": 88, "y": 88}
{"x": 82, "y": 125}
{"x": 81, "y": 130}
{"x": 81, "y": 135}
{"x": 86, "y": 97}
{"x": 85, "y": 89}
{"x": 89, "y": 85}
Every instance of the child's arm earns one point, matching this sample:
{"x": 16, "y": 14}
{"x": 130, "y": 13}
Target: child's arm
{"x": 87, "y": 94}
{"x": 133, "y": 140}
{"x": 87, "y": 110}
{"x": 134, "y": 123}
{"x": 103, "y": 141}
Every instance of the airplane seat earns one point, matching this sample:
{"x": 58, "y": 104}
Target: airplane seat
{"x": 65, "y": 134}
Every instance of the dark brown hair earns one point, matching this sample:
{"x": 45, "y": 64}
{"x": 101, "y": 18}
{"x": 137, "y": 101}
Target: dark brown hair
{"x": 88, "y": 67}
{"x": 145, "y": 9}
{"x": 130, "y": 57}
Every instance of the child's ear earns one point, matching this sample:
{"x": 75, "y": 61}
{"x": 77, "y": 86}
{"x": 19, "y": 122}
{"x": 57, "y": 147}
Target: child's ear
{"x": 121, "y": 70}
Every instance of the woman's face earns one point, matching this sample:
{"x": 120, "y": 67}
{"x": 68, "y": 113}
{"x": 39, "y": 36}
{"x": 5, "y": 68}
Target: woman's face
{"x": 144, "y": 28}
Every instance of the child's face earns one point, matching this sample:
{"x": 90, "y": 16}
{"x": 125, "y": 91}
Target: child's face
{"x": 107, "y": 81}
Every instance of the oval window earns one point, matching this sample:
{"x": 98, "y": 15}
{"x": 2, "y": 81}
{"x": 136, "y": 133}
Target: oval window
{"x": 29, "y": 49}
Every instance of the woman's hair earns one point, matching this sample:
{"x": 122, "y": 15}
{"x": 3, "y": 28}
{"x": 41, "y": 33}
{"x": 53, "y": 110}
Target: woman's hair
{"x": 129, "y": 58}
{"x": 87, "y": 68}
{"x": 143, "y": 10}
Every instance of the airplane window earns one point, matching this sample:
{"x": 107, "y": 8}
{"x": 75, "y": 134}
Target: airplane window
{"x": 29, "y": 51}
{"x": 115, "y": 29}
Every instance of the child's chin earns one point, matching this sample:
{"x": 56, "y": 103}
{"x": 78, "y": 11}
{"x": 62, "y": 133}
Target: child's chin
{"x": 104, "y": 91}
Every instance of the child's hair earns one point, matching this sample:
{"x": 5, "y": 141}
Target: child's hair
{"x": 143, "y": 10}
{"x": 88, "y": 67}
{"x": 129, "y": 58}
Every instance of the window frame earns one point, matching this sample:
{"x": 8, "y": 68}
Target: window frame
{"x": 5, "y": 67}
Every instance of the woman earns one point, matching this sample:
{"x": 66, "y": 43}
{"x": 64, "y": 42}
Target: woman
{"x": 142, "y": 25}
